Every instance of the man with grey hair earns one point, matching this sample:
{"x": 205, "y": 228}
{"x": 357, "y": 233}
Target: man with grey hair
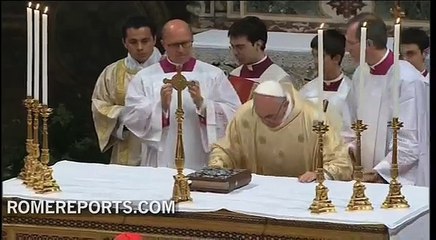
{"x": 272, "y": 135}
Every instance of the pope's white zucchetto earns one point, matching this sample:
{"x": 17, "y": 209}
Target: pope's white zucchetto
{"x": 270, "y": 88}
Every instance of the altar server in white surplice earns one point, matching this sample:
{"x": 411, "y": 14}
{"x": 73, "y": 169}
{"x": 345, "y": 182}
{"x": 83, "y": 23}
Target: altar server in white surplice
{"x": 336, "y": 85}
{"x": 377, "y": 107}
{"x": 415, "y": 48}
{"x": 151, "y": 105}
{"x": 139, "y": 38}
{"x": 248, "y": 39}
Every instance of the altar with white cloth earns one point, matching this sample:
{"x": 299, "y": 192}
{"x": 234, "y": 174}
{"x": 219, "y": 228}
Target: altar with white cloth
{"x": 268, "y": 208}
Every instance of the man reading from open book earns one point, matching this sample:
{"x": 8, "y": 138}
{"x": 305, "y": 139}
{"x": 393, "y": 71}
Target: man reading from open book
{"x": 272, "y": 135}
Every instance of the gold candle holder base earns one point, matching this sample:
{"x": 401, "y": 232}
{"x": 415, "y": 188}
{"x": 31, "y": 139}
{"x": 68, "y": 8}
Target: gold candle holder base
{"x": 359, "y": 202}
{"x": 28, "y": 103}
{"x": 35, "y": 164}
{"x": 395, "y": 199}
{"x": 321, "y": 202}
{"x": 181, "y": 191}
{"x": 45, "y": 181}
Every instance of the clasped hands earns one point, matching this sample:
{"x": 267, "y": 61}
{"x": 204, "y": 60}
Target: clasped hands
{"x": 167, "y": 91}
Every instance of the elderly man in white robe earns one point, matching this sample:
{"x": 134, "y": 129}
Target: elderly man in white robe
{"x": 376, "y": 109}
{"x": 151, "y": 105}
{"x": 139, "y": 38}
{"x": 336, "y": 85}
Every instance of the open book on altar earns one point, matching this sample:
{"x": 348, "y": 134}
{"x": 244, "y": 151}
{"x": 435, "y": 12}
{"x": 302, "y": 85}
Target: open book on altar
{"x": 219, "y": 180}
{"x": 243, "y": 86}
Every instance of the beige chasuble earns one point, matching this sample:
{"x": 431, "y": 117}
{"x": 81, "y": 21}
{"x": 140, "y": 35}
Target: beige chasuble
{"x": 288, "y": 150}
{"x": 107, "y": 106}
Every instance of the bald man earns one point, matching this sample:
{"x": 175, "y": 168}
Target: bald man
{"x": 272, "y": 135}
{"x": 208, "y": 105}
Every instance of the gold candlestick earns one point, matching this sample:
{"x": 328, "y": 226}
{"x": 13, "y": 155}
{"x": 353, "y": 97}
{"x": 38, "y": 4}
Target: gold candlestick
{"x": 24, "y": 173}
{"x": 34, "y": 167}
{"x": 45, "y": 182}
{"x": 181, "y": 191}
{"x": 359, "y": 201}
{"x": 395, "y": 199}
{"x": 321, "y": 202}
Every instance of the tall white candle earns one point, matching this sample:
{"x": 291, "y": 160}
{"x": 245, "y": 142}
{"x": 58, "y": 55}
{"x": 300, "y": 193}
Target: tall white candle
{"x": 29, "y": 49}
{"x": 36, "y": 46}
{"x": 321, "y": 69}
{"x": 44, "y": 57}
{"x": 396, "y": 79}
{"x": 362, "y": 63}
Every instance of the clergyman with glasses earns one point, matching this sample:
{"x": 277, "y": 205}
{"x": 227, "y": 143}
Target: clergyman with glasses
{"x": 208, "y": 105}
{"x": 272, "y": 135}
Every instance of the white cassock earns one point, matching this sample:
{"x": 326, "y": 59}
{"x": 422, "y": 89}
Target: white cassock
{"x": 377, "y": 111}
{"x": 424, "y": 178}
{"x": 145, "y": 119}
{"x": 335, "y": 91}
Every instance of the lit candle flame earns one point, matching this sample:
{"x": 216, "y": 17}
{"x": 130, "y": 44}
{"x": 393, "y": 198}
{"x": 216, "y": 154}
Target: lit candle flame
{"x": 29, "y": 4}
{"x": 364, "y": 24}
{"x": 46, "y": 10}
{"x": 398, "y": 21}
{"x": 37, "y": 6}
{"x": 321, "y": 26}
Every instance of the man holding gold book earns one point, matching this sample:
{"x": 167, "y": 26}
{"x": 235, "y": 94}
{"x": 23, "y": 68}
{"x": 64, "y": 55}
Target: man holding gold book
{"x": 272, "y": 135}
{"x": 209, "y": 103}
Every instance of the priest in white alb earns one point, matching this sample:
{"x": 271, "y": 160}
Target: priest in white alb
{"x": 208, "y": 105}
{"x": 272, "y": 135}
{"x": 139, "y": 38}
{"x": 248, "y": 40}
{"x": 377, "y": 107}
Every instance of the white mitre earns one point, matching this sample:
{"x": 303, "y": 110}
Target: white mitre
{"x": 270, "y": 88}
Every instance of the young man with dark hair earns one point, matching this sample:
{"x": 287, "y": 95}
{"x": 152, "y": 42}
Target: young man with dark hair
{"x": 139, "y": 38}
{"x": 336, "y": 85}
{"x": 414, "y": 48}
{"x": 248, "y": 39}
{"x": 377, "y": 107}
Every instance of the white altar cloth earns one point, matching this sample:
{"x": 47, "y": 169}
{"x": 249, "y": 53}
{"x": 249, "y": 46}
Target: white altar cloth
{"x": 266, "y": 196}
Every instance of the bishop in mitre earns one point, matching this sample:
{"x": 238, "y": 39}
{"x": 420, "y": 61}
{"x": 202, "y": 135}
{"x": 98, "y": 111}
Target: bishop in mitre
{"x": 272, "y": 135}
{"x": 139, "y": 38}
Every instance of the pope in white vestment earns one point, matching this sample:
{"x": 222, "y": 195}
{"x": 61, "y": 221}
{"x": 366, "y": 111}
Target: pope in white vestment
{"x": 376, "y": 111}
{"x": 276, "y": 138}
{"x": 110, "y": 90}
